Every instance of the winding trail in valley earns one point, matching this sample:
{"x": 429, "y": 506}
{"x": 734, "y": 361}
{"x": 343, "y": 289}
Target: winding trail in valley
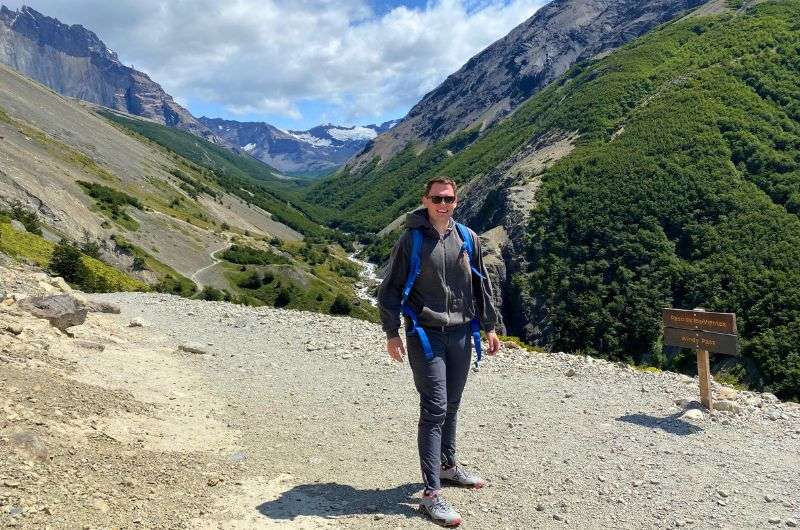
{"x": 216, "y": 261}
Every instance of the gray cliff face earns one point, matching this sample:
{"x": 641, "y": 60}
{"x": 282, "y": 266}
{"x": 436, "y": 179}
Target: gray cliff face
{"x": 496, "y": 81}
{"x": 317, "y": 150}
{"x": 74, "y": 62}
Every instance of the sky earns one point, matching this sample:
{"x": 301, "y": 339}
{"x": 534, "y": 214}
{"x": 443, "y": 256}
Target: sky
{"x": 295, "y": 63}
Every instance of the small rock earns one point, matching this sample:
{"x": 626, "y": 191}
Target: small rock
{"x": 791, "y": 523}
{"x": 17, "y": 226}
{"x": 728, "y": 406}
{"x": 726, "y": 393}
{"x": 138, "y": 322}
{"x": 571, "y": 372}
{"x": 378, "y": 516}
{"x": 723, "y": 493}
{"x": 29, "y": 444}
{"x": 559, "y": 517}
{"x": 774, "y": 520}
{"x": 61, "y": 284}
{"x": 539, "y": 507}
{"x": 693, "y": 414}
{"x": 769, "y": 498}
{"x": 14, "y": 329}
{"x": 193, "y": 347}
{"x": 100, "y": 505}
{"x": 103, "y": 307}
{"x": 347, "y": 356}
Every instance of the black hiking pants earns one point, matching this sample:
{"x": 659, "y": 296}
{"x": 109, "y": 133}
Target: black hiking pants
{"x": 440, "y": 383}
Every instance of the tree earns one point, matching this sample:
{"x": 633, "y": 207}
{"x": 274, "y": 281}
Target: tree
{"x": 66, "y": 262}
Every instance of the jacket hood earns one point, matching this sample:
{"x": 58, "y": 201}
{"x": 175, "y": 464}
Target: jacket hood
{"x": 418, "y": 219}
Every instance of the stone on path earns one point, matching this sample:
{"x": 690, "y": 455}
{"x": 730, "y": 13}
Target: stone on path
{"x": 693, "y": 414}
{"x": 193, "y": 347}
{"x": 728, "y": 406}
{"x": 62, "y": 311}
{"x": 138, "y": 322}
{"x": 103, "y": 307}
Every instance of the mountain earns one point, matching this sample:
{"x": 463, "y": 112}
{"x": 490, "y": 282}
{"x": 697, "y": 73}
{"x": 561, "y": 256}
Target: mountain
{"x": 161, "y": 208}
{"x": 665, "y": 174}
{"x": 316, "y": 150}
{"x": 496, "y": 81}
{"x": 74, "y": 62}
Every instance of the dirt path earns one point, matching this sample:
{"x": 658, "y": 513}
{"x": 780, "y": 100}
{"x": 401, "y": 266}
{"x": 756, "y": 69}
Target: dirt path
{"x": 325, "y": 433}
{"x": 196, "y": 275}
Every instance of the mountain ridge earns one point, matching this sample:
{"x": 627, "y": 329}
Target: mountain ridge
{"x": 320, "y": 149}
{"x": 498, "y": 79}
{"x": 73, "y": 61}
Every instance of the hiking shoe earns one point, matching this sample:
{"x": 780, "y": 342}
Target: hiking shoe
{"x": 439, "y": 509}
{"x": 462, "y": 477}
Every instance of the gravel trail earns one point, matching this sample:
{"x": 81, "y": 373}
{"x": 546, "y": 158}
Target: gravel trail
{"x": 325, "y": 430}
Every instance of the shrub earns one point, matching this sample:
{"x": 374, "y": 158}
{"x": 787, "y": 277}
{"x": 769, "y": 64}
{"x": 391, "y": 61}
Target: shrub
{"x": 341, "y": 306}
{"x": 284, "y": 298}
{"x": 251, "y": 282}
{"x": 212, "y": 294}
{"x": 66, "y": 262}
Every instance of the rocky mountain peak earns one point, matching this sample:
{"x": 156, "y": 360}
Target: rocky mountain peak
{"x": 74, "y": 40}
{"x": 73, "y": 61}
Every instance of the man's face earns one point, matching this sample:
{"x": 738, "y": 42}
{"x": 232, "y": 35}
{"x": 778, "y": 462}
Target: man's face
{"x": 441, "y": 212}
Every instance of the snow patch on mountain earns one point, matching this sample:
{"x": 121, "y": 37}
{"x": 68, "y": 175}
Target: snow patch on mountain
{"x": 354, "y": 133}
{"x": 311, "y": 139}
{"x": 249, "y": 147}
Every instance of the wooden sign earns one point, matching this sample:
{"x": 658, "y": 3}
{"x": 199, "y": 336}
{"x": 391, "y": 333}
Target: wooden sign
{"x": 701, "y": 340}
{"x": 700, "y": 320}
{"x": 704, "y": 332}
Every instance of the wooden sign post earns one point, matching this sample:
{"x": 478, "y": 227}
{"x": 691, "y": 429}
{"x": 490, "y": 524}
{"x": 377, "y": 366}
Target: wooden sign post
{"x": 704, "y": 332}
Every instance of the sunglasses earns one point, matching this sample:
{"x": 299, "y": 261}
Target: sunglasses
{"x": 438, "y": 199}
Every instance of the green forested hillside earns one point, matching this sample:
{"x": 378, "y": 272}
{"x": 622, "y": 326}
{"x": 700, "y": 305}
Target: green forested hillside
{"x": 683, "y": 191}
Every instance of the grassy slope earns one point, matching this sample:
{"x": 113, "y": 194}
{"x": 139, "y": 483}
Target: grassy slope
{"x": 240, "y": 175}
{"x": 313, "y": 275}
{"x": 695, "y": 203}
{"x": 34, "y": 248}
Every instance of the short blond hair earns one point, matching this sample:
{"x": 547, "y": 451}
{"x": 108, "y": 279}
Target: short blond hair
{"x": 440, "y": 180}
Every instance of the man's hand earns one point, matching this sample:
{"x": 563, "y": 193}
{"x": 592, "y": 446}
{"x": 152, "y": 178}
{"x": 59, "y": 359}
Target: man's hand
{"x": 396, "y": 349}
{"x": 494, "y": 342}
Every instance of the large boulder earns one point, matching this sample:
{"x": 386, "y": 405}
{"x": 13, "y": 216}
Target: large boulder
{"x": 19, "y": 227}
{"x": 62, "y": 311}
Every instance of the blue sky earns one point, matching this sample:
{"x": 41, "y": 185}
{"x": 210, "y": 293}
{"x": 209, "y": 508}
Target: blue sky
{"x": 295, "y": 63}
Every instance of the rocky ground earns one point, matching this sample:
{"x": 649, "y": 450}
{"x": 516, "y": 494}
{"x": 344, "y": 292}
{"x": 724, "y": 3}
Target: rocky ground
{"x": 210, "y": 415}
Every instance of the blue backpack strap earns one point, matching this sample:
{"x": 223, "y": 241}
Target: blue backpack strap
{"x": 475, "y": 324}
{"x": 466, "y": 244}
{"x": 413, "y": 272}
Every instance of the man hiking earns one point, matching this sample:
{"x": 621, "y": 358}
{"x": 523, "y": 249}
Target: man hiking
{"x": 437, "y": 280}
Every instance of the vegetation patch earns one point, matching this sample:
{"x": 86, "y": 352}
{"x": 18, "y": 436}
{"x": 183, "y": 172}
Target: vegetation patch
{"x": 245, "y": 255}
{"x": 112, "y": 202}
{"x": 86, "y": 273}
{"x": 19, "y": 213}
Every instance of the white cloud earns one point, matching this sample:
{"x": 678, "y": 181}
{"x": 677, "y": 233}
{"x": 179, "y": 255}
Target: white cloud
{"x": 269, "y": 56}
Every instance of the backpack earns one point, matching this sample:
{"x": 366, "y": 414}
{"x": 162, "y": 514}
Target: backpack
{"x": 414, "y": 271}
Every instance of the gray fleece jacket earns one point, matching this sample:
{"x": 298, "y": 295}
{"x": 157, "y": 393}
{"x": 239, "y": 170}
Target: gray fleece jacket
{"x": 445, "y": 293}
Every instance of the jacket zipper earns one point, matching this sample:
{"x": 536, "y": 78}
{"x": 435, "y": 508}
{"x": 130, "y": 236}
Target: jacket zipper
{"x": 444, "y": 279}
